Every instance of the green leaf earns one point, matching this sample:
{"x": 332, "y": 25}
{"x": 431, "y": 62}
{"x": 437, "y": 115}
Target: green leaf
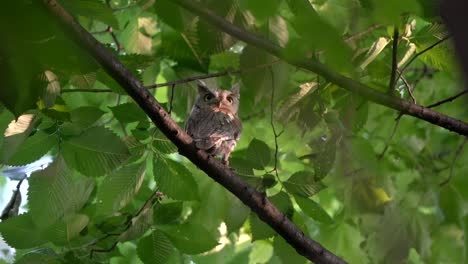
{"x": 63, "y": 231}
{"x": 40, "y": 256}
{"x": 85, "y": 116}
{"x": 94, "y": 10}
{"x": 118, "y": 188}
{"x": 5, "y": 118}
{"x": 33, "y": 148}
{"x": 96, "y": 152}
{"x": 286, "y": 252}
{"x": 260, "y": 230}
{"x": 325, "y": 160}
{"x": 139, "y": 225}
{"x": 163, "y": 145}
{"x": 167, "y": 213}
{"x": 261, "y": 252}
{"x": 236, "y": 215}
{"x": 303, "y": 183}
{"x": 259, "y": 153}
{"x": 182, "y": 237}
{"x": 56, "y": 192}
{"x": 174, "y": 180}
{"x": 128, "y": 112}
{"x": 16, "y": 133}
{"x": 363, "y": 152}
{"x": 313, "y": 210}
{"x": 21, "y": 232}
{"x": 155, "y": 248}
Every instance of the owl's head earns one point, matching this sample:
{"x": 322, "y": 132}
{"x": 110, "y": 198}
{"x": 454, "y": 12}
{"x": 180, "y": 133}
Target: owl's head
{"x": 218, "y": 100}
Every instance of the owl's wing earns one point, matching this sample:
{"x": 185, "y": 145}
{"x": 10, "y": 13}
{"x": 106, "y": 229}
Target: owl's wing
{"x": 213, "y": 128}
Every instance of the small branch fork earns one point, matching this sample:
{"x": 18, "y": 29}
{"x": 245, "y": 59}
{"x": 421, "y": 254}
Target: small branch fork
{"x": 455, "y": 157}
{"x": 257, "y": 201}
{"x": 275, "y": 133}
{"x": 155, "y": 194}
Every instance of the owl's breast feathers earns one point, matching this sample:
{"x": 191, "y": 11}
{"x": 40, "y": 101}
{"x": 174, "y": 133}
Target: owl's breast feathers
{"x": 215, "y": 132}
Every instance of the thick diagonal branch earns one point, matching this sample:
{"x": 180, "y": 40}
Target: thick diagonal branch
{"x": 220, "y": 173}
{"x": 351, "y": 85}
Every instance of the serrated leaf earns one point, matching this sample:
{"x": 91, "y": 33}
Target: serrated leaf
{"x": 174, "y": 180}
{"x": 163, "y": 145}
{"x": 303, "y": 183}
{"x": 54, "y": 193}
{"x": 324, "y": 161}
{"x": 259, "y": 154}
{"x": 63, "y": 231}
{"x": 139, "y": 225}
{"x": 182, "y": 237}
{"x": 96, "y": 152}
{"x": 118, "y": 188}
{"x": 167, "y": 213}
{"x": 33, "y": 148}
{"x": 94, "y": 10}
{"x": 85, "y": 116}
{"x": 84, "y": 81}
{"x": 313, "y": 210}
{"x": 128, "y": 112}
{"x": 155, "y": 248}
{"x": 21, "y": 232}
{"x": 39, "y": 256}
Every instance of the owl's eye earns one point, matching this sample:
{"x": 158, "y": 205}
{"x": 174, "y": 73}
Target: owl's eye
{"x": 230, "y": 99}
{"x": 208, "y": 97}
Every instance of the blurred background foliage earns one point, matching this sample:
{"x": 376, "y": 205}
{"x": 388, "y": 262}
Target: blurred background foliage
{"x": 371, "y": 186}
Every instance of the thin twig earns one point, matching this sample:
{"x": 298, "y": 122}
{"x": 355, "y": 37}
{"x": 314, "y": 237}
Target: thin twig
{"x": 387, "y": 144}
{"x": 128, "y": 224}
{"x": 450, "y": 99}
{"x": 455, "y": 157}
{"x": 415, "y": 56}
{"x": 181, "y": 81}
{"x": 408, "y": 87}
{"x": 276, "y": 135}
{"x": 360, "y": 34}
{"x": 171, "y": 100}
{"x": 393, "y": 78}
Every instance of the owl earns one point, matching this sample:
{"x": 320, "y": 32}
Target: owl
{"x": 213, "y": 122}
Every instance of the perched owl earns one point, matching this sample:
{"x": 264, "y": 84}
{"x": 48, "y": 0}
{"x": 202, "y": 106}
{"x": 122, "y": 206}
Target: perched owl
{"x": 213, "y": 122}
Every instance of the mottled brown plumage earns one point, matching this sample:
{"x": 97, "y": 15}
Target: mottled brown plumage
{"x": 213, "y": 122}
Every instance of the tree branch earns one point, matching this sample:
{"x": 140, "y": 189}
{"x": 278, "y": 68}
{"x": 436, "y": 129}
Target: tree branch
{"x": 214, "y": 168}
{"x": 351, "y": 85}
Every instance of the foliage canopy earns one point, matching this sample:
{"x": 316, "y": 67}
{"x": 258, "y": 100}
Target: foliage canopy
{"x": 368, "y": 184}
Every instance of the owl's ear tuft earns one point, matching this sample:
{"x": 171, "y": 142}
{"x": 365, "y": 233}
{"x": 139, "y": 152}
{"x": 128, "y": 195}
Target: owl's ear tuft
{"x": 202, "y": 88}
{"x": 235, "y": 89}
